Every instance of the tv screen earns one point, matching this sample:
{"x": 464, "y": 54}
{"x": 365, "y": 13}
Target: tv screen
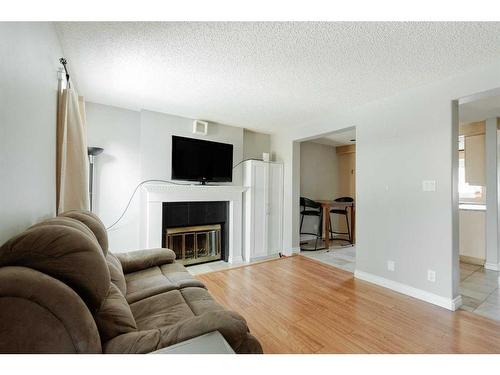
{"x": 204, "y": 161}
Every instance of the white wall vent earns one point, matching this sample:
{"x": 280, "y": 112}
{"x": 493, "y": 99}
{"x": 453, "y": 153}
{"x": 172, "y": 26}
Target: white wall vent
{"x": 200, "y": 127}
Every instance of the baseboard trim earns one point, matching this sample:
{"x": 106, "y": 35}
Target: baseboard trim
{"x": 492, "y": 266}
{"x": 447, "y": 303}
{"x": 235, "y": 260}
{"x": 472, "y": 260}
{"x": 296, "y": 250}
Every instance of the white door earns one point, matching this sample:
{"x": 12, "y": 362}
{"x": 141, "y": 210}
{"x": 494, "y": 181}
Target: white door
{"x": 275, "y": 208}
{"x": 259, "y": 186}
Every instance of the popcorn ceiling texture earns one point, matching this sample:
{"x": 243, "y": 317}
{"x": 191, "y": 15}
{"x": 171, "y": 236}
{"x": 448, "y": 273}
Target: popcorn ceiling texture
{"x": 266, "y": 76}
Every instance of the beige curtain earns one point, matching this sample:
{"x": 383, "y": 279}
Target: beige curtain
{"x": 72, "y": 160}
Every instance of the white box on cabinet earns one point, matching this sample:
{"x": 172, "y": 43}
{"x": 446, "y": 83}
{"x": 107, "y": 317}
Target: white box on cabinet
{"x": 262, "y": 209}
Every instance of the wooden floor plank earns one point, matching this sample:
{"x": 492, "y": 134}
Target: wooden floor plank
{"x": 298, "y": 305}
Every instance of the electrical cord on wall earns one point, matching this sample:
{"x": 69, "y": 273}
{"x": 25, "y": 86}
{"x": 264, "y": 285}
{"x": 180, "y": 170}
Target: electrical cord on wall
{"x": 133, "y": 194}
{"x": 163, "y": 181}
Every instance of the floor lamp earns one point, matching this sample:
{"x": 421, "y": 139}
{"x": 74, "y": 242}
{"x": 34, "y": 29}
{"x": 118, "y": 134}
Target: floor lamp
{"x": 92, "y": 152}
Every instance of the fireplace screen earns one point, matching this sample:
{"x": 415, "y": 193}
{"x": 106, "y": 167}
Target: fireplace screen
{"x": 196, "y": 244}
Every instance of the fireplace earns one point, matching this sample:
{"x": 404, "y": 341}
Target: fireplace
{"x": 196, "y": 231}
{"x": 198, "y": 244}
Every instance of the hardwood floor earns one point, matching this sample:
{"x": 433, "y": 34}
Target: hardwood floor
{"x": 298, "y": 305}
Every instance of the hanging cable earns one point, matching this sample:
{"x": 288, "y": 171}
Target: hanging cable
{"x": 133, "y": 194}
{"x": 163, "y": 181}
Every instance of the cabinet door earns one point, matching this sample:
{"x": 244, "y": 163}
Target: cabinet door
{"x": 275, "y": 208}
{"x": 475, "y": 163}
{"x": 259, "y": 207}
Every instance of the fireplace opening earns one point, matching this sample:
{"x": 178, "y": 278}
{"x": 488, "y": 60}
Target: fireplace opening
{"x": 196, "y": 244}
{"x": 196, "y": 231}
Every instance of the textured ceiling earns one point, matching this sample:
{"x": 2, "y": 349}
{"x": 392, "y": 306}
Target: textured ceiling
{"x": 337, "y": 138}
{"x": 266, "y": 76}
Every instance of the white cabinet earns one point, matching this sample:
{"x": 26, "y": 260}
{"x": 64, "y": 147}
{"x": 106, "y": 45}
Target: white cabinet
{"x": 475, "y": 163}
{"x": 262, "y": 209}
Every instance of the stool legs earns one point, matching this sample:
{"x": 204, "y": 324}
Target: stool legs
{"x": 348, "y": 226}
{"x": 346, "y": 215}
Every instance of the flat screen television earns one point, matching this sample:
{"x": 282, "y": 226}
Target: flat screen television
{"x": 203, "y": 161}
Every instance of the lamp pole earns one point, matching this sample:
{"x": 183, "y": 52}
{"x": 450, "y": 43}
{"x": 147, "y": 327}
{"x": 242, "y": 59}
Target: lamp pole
{"x": 92, "y": 152}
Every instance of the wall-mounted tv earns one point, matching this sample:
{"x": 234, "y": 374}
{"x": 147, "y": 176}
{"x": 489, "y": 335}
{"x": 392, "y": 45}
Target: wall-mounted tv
{"x": 203, "y": 161}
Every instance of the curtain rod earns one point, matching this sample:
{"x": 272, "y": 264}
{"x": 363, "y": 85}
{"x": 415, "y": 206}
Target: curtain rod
{"x": 63, "y": 61}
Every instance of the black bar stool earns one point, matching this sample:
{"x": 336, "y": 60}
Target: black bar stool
{"x": 344, "y": 212}
{"x": 308, "y": 207}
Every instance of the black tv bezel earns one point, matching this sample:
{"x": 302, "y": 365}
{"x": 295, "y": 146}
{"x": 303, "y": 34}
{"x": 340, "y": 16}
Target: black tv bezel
{"x": 202, "y": 180}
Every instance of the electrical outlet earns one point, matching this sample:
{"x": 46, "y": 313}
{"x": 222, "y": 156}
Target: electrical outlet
{"x": 391, "y": 266}
{"x": 431, "y": 276}
{"x": 429, "y": 185}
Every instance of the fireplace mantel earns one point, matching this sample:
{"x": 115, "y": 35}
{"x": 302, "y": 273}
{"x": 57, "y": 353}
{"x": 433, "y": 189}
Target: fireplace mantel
{"x": 153, "y": 196}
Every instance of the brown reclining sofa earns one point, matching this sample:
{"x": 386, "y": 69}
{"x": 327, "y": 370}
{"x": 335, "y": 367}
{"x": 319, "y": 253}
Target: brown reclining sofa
{"x": 61, "y": 291}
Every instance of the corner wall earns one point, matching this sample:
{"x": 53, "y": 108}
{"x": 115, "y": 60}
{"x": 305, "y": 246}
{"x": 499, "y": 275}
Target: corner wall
{"x": 29, "y": 64}
{"x": 400, "y": 142}
{"x": 117, "y": 170}
{"x": 319, "y": 179}
{"x": 137, "y": 147}
{"x": 254, "y": 144}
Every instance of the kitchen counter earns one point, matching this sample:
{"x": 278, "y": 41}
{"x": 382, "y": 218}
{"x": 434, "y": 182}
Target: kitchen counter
{"x": 472, "y": 221}
{"x": 472, "y": 207}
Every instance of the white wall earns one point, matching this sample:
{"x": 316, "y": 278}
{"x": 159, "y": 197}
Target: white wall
{"x": 318, "y": 178}
{"x": 156, "y": 142}
{"x": 401, "y": 141}
{"x": 28, "y": 107}
{"x": 254, "y": 144}
{"x": 318, "y": 171}
{"x": 117, "y": 170}
{"x": 137, "y": 146}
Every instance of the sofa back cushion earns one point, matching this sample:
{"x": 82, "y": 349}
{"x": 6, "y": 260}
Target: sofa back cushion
{"x": 116, "y": 273}
{"x": 39, "y": 314}
{"x": 64, "y": 252}
{"x": 68, "y": 222}
{"x": 114, "y": 316}
{"x": 95, "y": 224}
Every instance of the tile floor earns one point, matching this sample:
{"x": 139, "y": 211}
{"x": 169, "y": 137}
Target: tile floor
{"x": 479, "y": 289}
{"x": 339, "y": 255}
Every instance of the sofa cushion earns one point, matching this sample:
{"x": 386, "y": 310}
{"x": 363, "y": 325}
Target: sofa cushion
{"x": 171, "y": 307}
{"x": 142, "y": 259}
{"x": 199, "y": 300}
{"x": 178, "y": 274}
{"x": 65, "y": 253}
{"x": 68, "y": 222}
{"x": 155, "y": 280}
{"x": 39, "y": 314}
{"x": 116, "y": 273}
{"x": 95, "y": 224}
{"x": 114, "y": 317}
{"x": 147, "y": 283}
{"x": 161, "y": 310}
{"x": 230, "y": 324}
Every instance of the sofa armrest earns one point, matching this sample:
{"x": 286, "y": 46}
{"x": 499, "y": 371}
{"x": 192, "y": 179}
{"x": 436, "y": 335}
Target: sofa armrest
{"x": 141, "y": 259}
{"x": 230, "y": 324}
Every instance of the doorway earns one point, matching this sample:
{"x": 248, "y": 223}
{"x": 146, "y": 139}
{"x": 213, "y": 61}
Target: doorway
{"x": 478, "y": 148}
{"x": 328, "y": 198}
